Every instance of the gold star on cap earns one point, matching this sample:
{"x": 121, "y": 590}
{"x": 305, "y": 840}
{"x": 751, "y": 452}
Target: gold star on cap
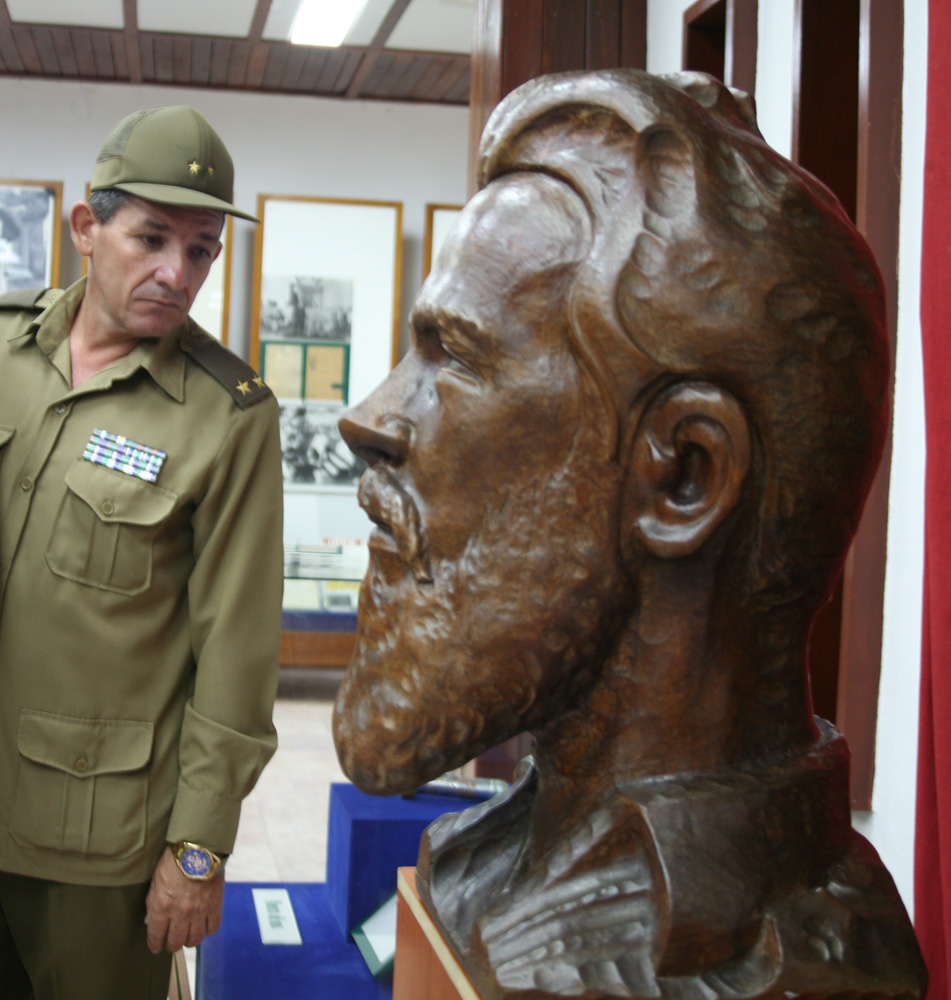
{"x": 211, "y": 171}
{"x": 243, "y": 388}
{"x": 258, "y": 381}
{"x": 194, "y": 167}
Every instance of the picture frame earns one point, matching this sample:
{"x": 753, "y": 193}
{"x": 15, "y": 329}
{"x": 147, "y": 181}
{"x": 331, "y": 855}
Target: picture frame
{"x": 439, "y": 220}
{"x": 324, "y": 334}
{"x": 31, "y": 222}
{"x": 326, "y": 295}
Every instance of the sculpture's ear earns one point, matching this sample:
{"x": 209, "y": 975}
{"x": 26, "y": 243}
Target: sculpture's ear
{"x": 688, "y": 462}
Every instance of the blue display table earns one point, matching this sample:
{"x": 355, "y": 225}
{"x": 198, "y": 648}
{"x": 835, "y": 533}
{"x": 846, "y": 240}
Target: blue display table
{"x": 234, "y": 964}
{"x": 368, "y": 839}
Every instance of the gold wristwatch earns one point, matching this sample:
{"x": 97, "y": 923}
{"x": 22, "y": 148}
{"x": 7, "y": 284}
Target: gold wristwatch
{"x": 195, "y": 861}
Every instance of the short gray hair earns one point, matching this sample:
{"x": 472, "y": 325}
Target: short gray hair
{"x": 106, "y": 202}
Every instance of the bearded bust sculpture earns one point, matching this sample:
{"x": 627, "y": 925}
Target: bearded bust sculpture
{"x": 612, "y": 481}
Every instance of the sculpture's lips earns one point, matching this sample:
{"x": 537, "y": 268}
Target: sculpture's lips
{"x": 397, "y": 520}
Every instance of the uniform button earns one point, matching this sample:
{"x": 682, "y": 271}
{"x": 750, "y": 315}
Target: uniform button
{"x": 61, "y": 408}
{"x": 107, "y": 508}
{"x": 82, "y": 764}
{"x": 26, "y": 484}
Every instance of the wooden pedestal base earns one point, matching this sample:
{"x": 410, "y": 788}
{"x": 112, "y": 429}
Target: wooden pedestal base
{"x": 425, "y": 967}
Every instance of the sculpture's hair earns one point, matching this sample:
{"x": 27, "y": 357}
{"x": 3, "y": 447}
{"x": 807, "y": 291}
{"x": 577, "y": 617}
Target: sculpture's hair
{"x": 714, "y": 257}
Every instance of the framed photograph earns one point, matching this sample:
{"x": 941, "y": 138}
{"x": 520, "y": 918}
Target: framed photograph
{"x": 325, "y": 314}
{"x": 439, "y": 220}
{"x": 31, "y": 214}
{"x": 324, "y": 334}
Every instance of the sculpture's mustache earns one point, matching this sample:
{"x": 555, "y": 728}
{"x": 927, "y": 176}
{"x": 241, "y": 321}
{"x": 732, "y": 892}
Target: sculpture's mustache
{"x": 395, "y": 513}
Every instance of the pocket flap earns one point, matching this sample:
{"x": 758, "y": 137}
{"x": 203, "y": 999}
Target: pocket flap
{"x": 5, "y": 434}
{"x": 114, "y": 496}
{"x": 84, "y": 747}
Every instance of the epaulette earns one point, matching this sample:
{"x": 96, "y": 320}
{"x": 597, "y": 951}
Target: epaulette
{"x": 238, "y": 377}
{"x": 30, "y": 298}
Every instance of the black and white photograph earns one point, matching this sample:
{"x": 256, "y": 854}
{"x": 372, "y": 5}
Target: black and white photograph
{"x": 29, "y": 234}
{"x": 327, "y": 281}
{"x": 306, "y": 308}
{"x": 314, "y": 453}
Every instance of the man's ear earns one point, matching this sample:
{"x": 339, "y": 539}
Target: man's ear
{"x": 81, "y": 221}
{"x": 688, "y": 462}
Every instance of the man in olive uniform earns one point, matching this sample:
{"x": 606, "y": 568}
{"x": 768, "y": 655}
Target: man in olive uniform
{"x": 140, "y": 582}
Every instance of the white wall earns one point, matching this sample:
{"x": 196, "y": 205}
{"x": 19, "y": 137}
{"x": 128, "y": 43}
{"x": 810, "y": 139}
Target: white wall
{"x": 890, "y": 823}
{"x": 774, "y": 73}
{"x": 280, "y": 145}
{"x": 774, "y": 69}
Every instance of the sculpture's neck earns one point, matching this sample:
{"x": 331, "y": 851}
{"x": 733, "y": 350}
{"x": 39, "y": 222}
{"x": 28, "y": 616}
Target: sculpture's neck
{"x": 690, "y": 687}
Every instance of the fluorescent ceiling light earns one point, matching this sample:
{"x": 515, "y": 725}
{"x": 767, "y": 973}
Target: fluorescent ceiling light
{"x": 324, "y": 22}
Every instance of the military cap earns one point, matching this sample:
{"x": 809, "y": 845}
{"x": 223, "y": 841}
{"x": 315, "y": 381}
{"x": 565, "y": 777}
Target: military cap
{"x": 171, "y": 156}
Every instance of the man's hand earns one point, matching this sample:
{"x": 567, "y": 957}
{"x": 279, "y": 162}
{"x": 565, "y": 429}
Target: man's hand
{"x": 181, "y": 911}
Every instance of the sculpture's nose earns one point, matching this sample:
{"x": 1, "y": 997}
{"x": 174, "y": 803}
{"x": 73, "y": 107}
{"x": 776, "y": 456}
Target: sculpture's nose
{"x": 383, "y": 438}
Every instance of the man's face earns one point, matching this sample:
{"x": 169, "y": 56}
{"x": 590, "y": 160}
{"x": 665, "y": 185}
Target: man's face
{"x": 147, "y": 265}
{"x": 493, "y": 563}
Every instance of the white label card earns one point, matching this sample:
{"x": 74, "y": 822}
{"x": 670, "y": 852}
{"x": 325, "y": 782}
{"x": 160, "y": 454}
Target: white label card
{"x": 276, "y": 919}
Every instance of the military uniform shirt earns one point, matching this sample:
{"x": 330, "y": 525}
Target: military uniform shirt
{"x": 139, "y": 620}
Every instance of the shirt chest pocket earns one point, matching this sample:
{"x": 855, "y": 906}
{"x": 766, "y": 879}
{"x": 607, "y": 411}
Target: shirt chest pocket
{"x": 105, "y": 529}
{"x": 81, "y": 784}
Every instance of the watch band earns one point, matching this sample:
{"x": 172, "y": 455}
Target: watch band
{"x": 195, "y": 861}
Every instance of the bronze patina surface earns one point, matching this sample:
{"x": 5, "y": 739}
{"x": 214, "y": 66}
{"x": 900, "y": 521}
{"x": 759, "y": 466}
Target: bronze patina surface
{"x": 612, "y": 481}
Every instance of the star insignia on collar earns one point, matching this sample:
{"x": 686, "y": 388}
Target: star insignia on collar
{"x": 194, "y": 167}
{"x": 211, "y": 171}
{"x": 243, "y": 388}
{"x": 258, "y": 381}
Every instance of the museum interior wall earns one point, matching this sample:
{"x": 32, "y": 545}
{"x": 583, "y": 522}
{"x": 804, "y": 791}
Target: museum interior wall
{"x": 358, "y": 150}
{"x": 418, "y": 155}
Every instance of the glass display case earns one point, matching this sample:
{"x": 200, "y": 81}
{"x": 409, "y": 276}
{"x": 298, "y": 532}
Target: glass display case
{"x": 321, "y": 590}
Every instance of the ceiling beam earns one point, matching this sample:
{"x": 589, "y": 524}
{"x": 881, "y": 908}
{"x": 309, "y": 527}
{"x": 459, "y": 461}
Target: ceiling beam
{"x": 389, "y": 22}
{"x": 257, "y": 22}
{"x": 130, "y": 14}
{"x": 392, "y": 19}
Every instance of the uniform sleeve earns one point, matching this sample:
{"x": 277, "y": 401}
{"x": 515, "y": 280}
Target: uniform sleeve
{"x": 234, "y": 598}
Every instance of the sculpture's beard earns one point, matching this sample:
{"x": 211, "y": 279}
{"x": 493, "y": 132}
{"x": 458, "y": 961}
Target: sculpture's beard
{"x": 455, "y": 655}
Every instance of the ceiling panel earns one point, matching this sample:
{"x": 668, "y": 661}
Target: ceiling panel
{"x": 367, "y": 22}
{"x": 435, "y": 26}
{"x": 361, "y": 33}
{"x": 197, "y": 17}
{"x": 216, "y": 43}
{"x": 279, "y": 19}
{"x": 88, "y": 14}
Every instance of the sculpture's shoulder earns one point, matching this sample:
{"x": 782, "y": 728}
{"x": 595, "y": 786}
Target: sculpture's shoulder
{"x": 480, "y": 845}
{"x": 679, "y": 888}
{"x": 853, "y": 932}
{"x": 526, "y": 924}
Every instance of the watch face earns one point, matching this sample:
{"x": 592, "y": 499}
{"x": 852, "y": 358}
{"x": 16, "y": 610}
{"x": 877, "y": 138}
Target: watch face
{"x": 195, "y": 862}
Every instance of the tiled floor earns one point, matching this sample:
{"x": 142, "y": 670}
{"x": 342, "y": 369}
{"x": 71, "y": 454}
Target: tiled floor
{"x": 283, "y": 831}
